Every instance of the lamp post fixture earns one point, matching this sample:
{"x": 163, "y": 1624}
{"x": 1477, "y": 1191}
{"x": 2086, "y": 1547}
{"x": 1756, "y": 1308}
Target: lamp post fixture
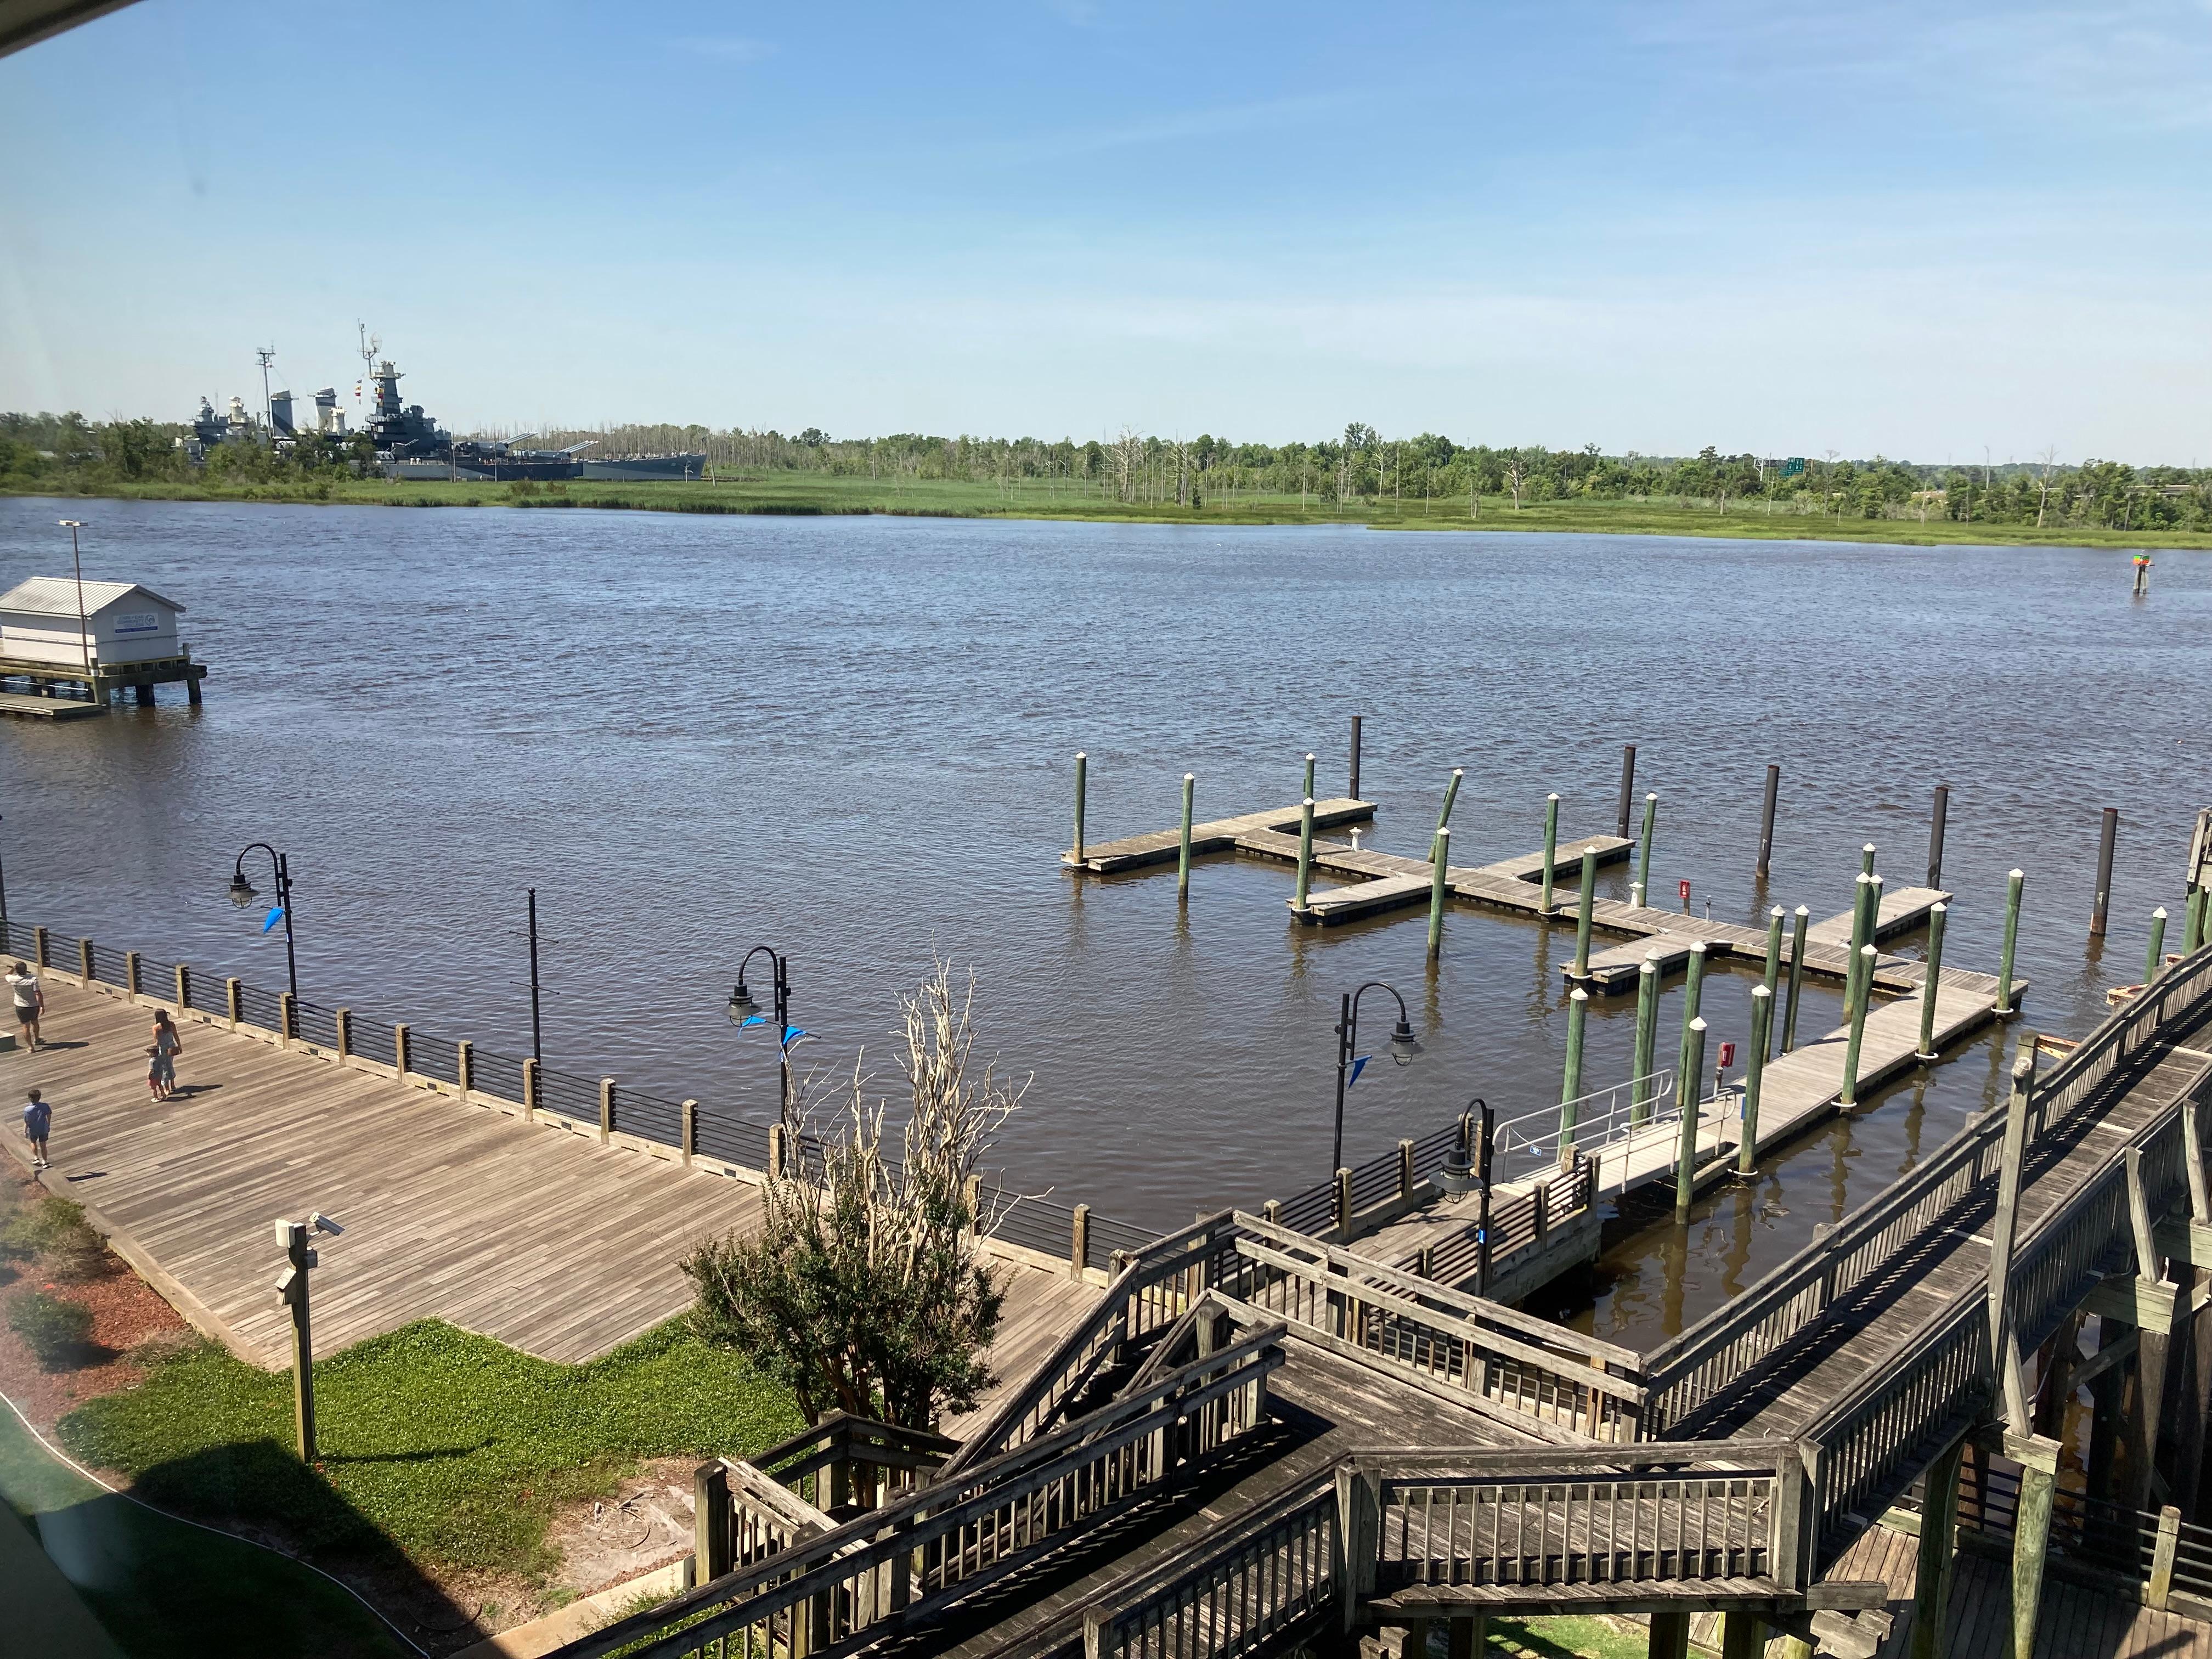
{"x": 292, "y": 1285}
{"x": 745, "y": 1011}
{"x": 242, "y": 894}
{"x": 83, "y": 631}
{"x": 1404, "y": 1046}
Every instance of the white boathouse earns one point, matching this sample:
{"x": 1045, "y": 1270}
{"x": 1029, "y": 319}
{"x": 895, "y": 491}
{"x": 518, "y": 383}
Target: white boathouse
{"x": 125, "y": 635}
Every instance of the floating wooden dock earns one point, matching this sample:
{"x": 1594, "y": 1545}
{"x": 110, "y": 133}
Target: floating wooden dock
{"x": 1165, "y": 846}
{"x": 1668, "y": 936}
{"x": 48, "y": 709}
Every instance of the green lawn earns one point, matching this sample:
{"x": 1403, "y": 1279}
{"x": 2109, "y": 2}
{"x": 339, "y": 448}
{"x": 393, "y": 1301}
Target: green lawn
{"x": 809, "y": 493}
{"x": 454, "y": 1447}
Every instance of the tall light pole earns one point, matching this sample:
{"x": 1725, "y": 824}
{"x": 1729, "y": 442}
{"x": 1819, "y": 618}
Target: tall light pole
{"x": 241, "y": 895}
{"x": 292, "y": 1286}
{"x": 83, "y": 632}
{"x": 746, "y": 1010}
{"x": 1403, "y": 1048}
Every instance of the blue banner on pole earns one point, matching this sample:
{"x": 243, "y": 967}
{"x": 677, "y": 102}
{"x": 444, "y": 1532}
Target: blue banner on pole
{"x": 1357, "y": 1067}
{"x": 275, "y": 915}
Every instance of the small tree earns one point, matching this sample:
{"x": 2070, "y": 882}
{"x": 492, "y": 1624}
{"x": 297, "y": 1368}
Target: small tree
{"x": 865, "y": 1289}
{"x": 1516, "y": 475}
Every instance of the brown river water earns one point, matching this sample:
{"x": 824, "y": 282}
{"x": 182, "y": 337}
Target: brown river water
{"x": 853, "y": 738}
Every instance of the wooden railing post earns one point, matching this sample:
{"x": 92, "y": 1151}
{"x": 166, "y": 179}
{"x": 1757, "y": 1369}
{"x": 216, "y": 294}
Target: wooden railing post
{"x": 711, "y": 1552}
{"x": 183, "y": 988}
{"x": 130, "y": 975}
{"x": 288, "y": 1017}
{"x": 233, "y": 1002}
{"x": 606, "y": 1109}
{"x": 1405, "y": 1168}
{"x": 342, "y": 1019}
{"x": 688, "y": 1130}
{"x": 1360, "y": 1528}
{"x": 400, "y": 1055}
{"x": 84, "y": 960}
{"x": 1540, "y": 1196}
{"x": 40, "y": 951}
{"x": 775, "y": 1151}
{"x": 529, "y": 1091}
{"x": 1343, "y": 1204}
{"x": 2160, "y": 1588}
{"x": 465, "y": 1068}
{"x": 1078, "y": 1241}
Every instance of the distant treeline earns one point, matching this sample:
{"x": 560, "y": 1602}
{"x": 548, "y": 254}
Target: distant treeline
{"x": 1358, "y": 469}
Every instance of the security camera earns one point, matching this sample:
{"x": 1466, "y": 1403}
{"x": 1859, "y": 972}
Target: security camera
{"x": 322, "y": 1223}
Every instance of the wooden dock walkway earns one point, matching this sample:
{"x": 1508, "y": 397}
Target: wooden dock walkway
{"x": 541, "y": 1238}
{"x": 1218, "y": 836}
{"x": 48, "y": 709}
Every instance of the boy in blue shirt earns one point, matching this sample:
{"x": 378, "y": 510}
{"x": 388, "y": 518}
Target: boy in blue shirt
{"x": 38, "y": 1118}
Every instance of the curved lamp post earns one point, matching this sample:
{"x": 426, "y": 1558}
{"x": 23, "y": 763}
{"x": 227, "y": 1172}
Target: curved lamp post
{"x": 1404, "y": 1046}
{"x": 242, "y": 894}
{"x": 745, "y": 1011}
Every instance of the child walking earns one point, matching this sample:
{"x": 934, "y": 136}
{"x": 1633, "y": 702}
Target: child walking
{"x": 161, "y": 1058}
{"x": 38, "y": 1118}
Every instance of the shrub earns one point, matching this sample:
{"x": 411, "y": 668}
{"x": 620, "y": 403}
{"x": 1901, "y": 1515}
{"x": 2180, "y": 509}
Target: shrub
{"x": 54, "y": 1232}
{"x": 53, "y": 1329}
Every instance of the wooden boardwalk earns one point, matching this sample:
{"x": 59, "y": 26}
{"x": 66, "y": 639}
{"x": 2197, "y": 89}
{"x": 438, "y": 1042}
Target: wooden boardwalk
{"x": 540, "y": 1237}
{"x": 1217, "y": 836}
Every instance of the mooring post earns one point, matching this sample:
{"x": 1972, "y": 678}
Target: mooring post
{"x": 1937, "y": 915}
{"x": 1309, "y": 772}
{"x": 1939, "y": 1521}
{"x": 1802, "y": 918}
{"x": 2099, "y": 906}
{"x": 1441, "y": 847}
{"x": 1685, "y": 1161}
{"x": 1866, "y": 860}
{"x": 1570, "y": 1087}
{"x": 1355, "y": 757}
{"x": 1858, "y": 939}
{"x": 2192, "y": 921}
{"x": 1647, "y": 1039}
{"x": 1182, "y": 863}
{"x": 1636, "y": 894}
{"x": 1628, "y": 785}
{"x": 1588, "y": 897}
{"x": 1762, "y": 1024}
{"x": 2015, "y": 880}
{"x": 1444, "y": 818}
{"x": 1861, "y": 987}
{"x": 1082, "y": 766}
{"x": 1686, "y": 1075}
{"x": 1766, "y": 819}
{"x": 2151, "y": 963}
{"x": 1940, "y": 811}
{"x": 1771, "y": 979}
{"x": 1305, "y": 853}
{"x": 1643, "y": 845}
{"x": 1551, "y": 849}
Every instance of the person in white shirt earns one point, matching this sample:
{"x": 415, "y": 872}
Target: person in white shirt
{"x": 30, "y": 1003}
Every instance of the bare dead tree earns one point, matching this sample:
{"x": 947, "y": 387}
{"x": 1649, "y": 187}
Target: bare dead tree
{"x": 1516, "y": 475}
{"x": 2046, "y": 463}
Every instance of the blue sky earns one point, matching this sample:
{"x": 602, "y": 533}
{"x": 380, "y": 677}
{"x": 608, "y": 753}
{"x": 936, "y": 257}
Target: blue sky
{"x": 1916, "y": 231}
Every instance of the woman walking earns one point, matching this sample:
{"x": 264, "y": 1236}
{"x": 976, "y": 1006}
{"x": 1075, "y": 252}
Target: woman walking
{"x": 161, "y": 1068}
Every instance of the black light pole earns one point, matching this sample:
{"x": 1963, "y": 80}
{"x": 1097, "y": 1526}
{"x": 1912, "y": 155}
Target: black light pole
{"x": 1403, "y": 1048}
{"x": 241, "y": 895}
{"x": 742, "y": 1007}
{"x": 4, "y": 908}
{"x": 537, "y": 1039}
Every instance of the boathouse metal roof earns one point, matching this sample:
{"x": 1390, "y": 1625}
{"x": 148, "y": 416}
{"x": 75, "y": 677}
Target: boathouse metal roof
{"x": 56, "y": 596}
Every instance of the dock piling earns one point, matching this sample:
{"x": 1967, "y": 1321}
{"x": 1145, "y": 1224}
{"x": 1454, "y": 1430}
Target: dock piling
{"x": 1355, "y": 757}
{"x": 1685, "y": 1161}
{"x": 1643, "y": 845}
{"x": 1583, "y": 912}
{"x": 1309, "y": 772}
{"x": 1862, "y": 930}
{"x": 1647, "y": 1039}
{"x": 1443, "y": 817}
{"x": 1771, "y": 979}
{"x": 1693, "y": 990}
{"x": 1182, "y": 862}
{"x": 1551, "y": 848}
{"x": 1442, "y": 846}
{"x": 1766, "y": 820}
{"x": 1082, "y": 767}
{"x": 1937, "y": 815}
{"x": 2151, "y": 963}
{"x": 1570, "y": 1087}
{"x": 1762, "y": 1026}
{"x": 1938, "y": 914}
{"x": 1627, "y": 785}
{"x": 1636, "y": 894}
{"x": 1305, "y": 846}
{"x": 1801, "y": 919}
{"x": 2015, "y": 880}
{"x": 2192, "y": 921}
{"x": 1862, "y": 983}
{"x": 2105, "y": 844}
{"x": 1866, "y": 860}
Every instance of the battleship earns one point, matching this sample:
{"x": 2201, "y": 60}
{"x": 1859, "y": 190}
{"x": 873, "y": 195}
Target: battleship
{"x": 408, "y": 443}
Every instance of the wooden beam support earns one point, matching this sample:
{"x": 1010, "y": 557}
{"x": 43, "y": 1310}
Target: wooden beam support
{"x": 2031, "y": 1538}
{"x": 1939, "y": 1523}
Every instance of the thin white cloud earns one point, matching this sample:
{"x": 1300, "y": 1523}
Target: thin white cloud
{"x": 726, "y": 48}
